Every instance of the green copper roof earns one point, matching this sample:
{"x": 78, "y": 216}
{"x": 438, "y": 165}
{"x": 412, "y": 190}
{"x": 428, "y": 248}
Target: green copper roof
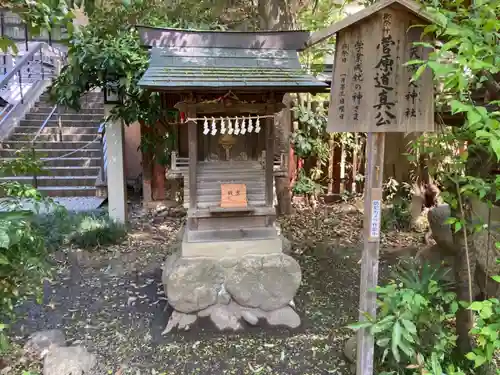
{"x": 191, "y": 68}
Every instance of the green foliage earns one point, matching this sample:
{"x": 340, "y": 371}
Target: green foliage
{"x": 486, "y": 330}
{"x": 306, "y": 185}
{"x": 396, "y": 214}
{"x": 108, "y": 51}
{"x": 309, "y": 139}
{"x": 22, "y": 247}
{"x": 38, "y": 15}
{"x": 413, "y": 330}
{"x": 84, "y": 230}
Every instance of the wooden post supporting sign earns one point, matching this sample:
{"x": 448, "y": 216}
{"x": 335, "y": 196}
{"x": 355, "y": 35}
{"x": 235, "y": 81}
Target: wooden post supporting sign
{"x": 371, "y": 233}
{"x": 373, "y": 92}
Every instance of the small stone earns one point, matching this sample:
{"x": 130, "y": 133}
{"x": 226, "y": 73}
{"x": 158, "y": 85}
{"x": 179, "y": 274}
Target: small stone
{"x": 250, "y": 317}
{"x": 285, "y": 316}
{"x": 173, "y": 322}
{"x": 223, "y": 297}
{"x": 224, "y": 319}
{"x": 186, "y": 321}
{"x": 39, "y": 343}
{"x": 287, "y": 245}
{"x": 71, "y": 360}
{"x": 350, "y": 349}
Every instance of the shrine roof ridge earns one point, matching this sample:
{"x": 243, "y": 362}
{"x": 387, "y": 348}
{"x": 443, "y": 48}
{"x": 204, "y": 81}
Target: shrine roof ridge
{"x": 258, "y": 40}
{"x": 409, "y": 5}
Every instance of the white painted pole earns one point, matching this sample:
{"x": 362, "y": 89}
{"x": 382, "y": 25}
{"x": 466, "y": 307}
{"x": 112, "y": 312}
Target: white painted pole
{"x": 117, "y": 190}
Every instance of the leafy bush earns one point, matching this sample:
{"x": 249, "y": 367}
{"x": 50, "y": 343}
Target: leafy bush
{"x": 413, "y": 330}
{"x": 83, "y": 229}
{"x": 486, "y": 330}
{"x": 306, "y": 185}
{"x": 22, "y": 246}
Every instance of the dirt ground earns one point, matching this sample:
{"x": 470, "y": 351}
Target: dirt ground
{"x": 112, "y": 301}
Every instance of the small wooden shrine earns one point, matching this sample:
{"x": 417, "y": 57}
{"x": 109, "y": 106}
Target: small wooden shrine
{"x": 227, "y": 87}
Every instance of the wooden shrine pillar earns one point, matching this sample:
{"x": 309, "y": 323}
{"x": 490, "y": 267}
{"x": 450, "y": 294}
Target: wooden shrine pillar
{"x": 193, "y": 161}
{"x": 270, "y": 157}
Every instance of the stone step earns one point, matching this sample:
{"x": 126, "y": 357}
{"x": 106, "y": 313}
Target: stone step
{"x": 54, "y": 137}
{"x": 243, "y": 234}
{"x": 93, "y": 117}
{"x": 96, "y": 107}
{"x": 55, "y": 123}
{"x": 68, "y": 162}
{"x": 68, "y": 191}
{"x": 70, "y": 171}
{"x": 59, "y": 181}
{"x": 55, "y": 153}
{"x": 83, "y": 111}
{"x": 55, "y": 130}
{"x": 53, "y": 145}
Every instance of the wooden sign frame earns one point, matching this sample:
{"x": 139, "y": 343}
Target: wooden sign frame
{"x": 376, "y": 27}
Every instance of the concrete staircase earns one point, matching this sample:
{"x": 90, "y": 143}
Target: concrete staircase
{"x": 69, "y": 170}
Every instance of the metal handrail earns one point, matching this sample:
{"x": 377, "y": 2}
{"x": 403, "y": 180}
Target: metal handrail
{"x": 19, "y": 65}
{"x": 45, "y": 124}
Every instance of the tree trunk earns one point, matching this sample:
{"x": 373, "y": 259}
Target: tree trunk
{"x": 464, "y": 271}
{"x": 279, "y": 15}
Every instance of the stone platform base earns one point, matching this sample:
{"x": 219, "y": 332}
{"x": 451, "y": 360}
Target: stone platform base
{"x": 232, "y": 290}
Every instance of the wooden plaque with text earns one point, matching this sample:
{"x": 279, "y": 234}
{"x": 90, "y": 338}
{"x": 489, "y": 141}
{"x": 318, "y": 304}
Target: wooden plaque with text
{"x": 372, "y": 89}
{"x": 233, "y": 195}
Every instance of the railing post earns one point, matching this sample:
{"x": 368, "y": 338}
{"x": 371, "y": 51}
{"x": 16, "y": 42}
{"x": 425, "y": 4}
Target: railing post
{"x": 59, "y": 123}
{"x": 41, "y": 62}
{"x": 19, "y": 74}
{"x": 35, "y": 178}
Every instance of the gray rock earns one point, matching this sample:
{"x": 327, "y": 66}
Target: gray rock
{"x": 38, "y": 343}
{"x": 71, "y": 360}
{"x": 224, "y": 319}
{"x": 441, "y": 232}
{"x": 173, "y": 322}
{"x": 250, "y": 317}
{"x": 223, "y": 297}
{"x": 192, "y": 284}
{"x": 205, "y": 312}
{"x": 266, "y": 282}
{"x": 287, "y": 245}
{"x": 285, "y": 316}
{"x": 180, "y": 320}
{"x": 186, "y": 321}
{"x": 350, "y": 349}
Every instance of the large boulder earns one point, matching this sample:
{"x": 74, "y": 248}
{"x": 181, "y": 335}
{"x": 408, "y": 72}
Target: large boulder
{"x": 39, "y": 343}
{"x": 192, "y": 284}
{"x": 232, "y": 290}
{"x": 268, "y": 282}
{"x": 71, "y": 360}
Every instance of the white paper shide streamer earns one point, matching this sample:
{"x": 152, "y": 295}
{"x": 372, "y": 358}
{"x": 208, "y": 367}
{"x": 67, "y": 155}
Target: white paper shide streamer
{"x": 236, "y": 126}
{"x": 231, "y": 125}
{"x": 230, "y": 128}
{"x": 250, "y": 126}
{"x": 222, "y": 126}
{"x": 214, "y": 127}
{"x": 205, "y": 126}
{"x": 243, "y": 129}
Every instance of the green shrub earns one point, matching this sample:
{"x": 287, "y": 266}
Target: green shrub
{"x": 413, "y": 329}
{"x": 92, "y": 230}
{"x": 82, "y": 229}
{"x": 23, "y": 252}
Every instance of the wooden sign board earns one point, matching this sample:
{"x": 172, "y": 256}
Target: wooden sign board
{"x": 233, "y": 195}
{"x": 371, "y": 88}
